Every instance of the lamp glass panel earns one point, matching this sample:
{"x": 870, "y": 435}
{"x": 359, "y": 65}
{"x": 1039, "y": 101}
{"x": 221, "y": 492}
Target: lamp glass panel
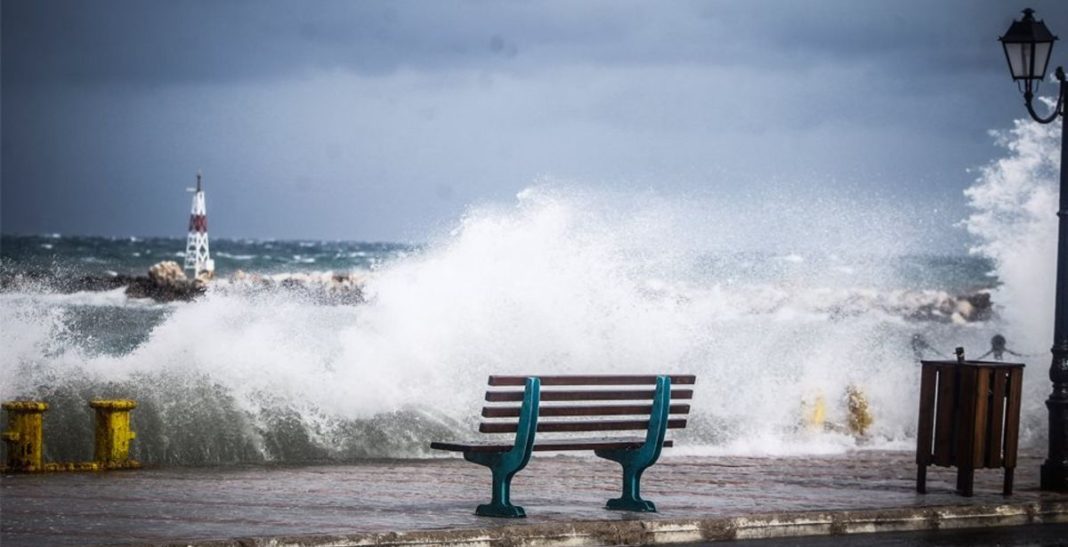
{"x": 1041, "y": 59}
{"x": 1015, "y": 53}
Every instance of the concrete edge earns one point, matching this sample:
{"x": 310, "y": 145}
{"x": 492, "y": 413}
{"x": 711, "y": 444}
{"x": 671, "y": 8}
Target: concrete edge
{"x": 691, "y": 530}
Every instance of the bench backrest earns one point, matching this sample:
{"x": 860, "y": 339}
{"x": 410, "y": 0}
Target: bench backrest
{"x": 592, "y": 403}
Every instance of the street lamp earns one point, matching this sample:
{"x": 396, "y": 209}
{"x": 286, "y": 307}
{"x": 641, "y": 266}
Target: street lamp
{"x": 1027, "y": 46}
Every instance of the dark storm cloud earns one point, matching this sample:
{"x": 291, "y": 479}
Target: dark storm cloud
{"x": 151, "y": 42}
{"x": 377, "y": 120}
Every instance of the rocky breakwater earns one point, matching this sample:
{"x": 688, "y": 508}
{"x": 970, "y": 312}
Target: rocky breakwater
{"x": 166, "y": 282}
{"x": 913, "y": 305}
{"x": 329, "y": 288}
{"x": 916, "y": 305}
{"x": 944, "y": 307}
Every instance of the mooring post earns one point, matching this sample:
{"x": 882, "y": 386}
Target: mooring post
{"x": 25, "y": 444}
{"x": 113, "y": 433}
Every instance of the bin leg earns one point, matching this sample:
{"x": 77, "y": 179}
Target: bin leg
{"x": 1007, "y": 488}
{"x": 921, "y": 478}
{"x": 965, "y": 481}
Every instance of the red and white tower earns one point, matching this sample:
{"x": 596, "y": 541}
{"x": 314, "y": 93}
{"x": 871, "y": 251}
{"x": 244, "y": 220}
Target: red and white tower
{"x": 197, "y": 256}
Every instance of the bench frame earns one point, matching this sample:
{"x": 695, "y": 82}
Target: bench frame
{"x": 504, "y": 465}
{"x": 634, "y": 461}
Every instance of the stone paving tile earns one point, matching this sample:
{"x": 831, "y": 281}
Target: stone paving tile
{"x": 171, "y": 504}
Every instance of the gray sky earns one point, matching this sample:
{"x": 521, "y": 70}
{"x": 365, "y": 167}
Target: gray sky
{"x": 385, "y": 120}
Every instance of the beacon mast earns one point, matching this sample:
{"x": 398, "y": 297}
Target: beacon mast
{"x": 197, "y": 257}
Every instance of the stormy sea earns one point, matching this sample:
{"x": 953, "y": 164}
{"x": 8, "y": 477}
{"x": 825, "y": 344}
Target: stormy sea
{"x": 557, "y": 281}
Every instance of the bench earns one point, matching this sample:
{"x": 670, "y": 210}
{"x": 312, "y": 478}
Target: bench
{"x": 582, "y": 409}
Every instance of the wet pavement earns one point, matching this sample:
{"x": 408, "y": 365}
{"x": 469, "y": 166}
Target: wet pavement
{"x": 197, "y": 504}
{"x": 1040, "y": 535}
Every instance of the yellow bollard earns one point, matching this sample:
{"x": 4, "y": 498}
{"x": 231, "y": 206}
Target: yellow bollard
{"x": 814, "y": 413}
{"x": 25, "y": 446}
{"x": 113, "y": 434}
{"x": 860, "y": 418}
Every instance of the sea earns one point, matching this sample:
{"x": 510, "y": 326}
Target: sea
{"x": 557, "y": 281}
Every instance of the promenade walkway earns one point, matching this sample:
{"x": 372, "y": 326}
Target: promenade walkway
{"x": 432, "y": 502}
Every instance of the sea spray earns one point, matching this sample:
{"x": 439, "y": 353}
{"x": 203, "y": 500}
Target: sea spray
{"x": 561, "y": 281}
{"x": 1015, "y": 224}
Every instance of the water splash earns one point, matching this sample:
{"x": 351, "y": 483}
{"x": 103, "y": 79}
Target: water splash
{"x": 561, "y": 281}
{"x": 1015, "y": 222}
{"x": 1015, "y": 225}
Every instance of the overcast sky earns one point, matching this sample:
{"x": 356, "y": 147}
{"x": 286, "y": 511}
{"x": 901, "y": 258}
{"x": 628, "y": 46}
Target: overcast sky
{"x": 385, "y": 120}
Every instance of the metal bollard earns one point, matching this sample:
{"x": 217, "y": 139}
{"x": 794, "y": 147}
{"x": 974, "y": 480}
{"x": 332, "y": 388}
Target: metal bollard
{"x": 860, "y": 418}
{"x": 113, "y": 434}
{"x": 25, "y": 446}
{"x": 814, "y": 412}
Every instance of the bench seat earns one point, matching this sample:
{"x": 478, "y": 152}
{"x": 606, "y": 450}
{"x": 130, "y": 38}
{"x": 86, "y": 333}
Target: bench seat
{"x": 600, "y": 443}
{"x": 593, "y": 404}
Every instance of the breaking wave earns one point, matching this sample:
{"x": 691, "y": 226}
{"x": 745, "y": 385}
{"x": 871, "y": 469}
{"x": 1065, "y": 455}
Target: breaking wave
{"x": 561, "y": 281}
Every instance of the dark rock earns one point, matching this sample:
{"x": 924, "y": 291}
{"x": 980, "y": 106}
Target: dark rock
{"x": 184, "y": 291}
{"x": 983, "y": 307}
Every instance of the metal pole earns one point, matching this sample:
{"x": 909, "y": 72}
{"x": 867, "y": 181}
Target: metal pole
{"x": 1055, "y": 468}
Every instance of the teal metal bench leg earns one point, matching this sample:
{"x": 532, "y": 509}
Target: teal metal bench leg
{"x": 505, "y": 465}
{"x": 501, "y": 504}
{"x": 635, "y": 462}
{"x": 631, "y": 500}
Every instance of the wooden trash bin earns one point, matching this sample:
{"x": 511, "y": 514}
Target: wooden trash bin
{"x": 969, "y": 418}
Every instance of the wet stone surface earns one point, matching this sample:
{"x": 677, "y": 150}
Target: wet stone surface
{"x": 161, "y": 505}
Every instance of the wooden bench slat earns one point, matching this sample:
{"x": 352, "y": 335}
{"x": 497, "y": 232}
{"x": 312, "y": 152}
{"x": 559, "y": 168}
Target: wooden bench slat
{"x": 647, "y": 410}
{"x": 591, "y": 410}
{"x": 607, "y": 395}
{"x": 622, "y": 443}
{"x": 560, "y": 427}
{"x": 591, "y": 380}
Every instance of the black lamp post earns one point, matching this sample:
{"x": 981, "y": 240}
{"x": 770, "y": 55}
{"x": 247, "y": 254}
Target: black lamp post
{"x": 1027, "y": 46}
